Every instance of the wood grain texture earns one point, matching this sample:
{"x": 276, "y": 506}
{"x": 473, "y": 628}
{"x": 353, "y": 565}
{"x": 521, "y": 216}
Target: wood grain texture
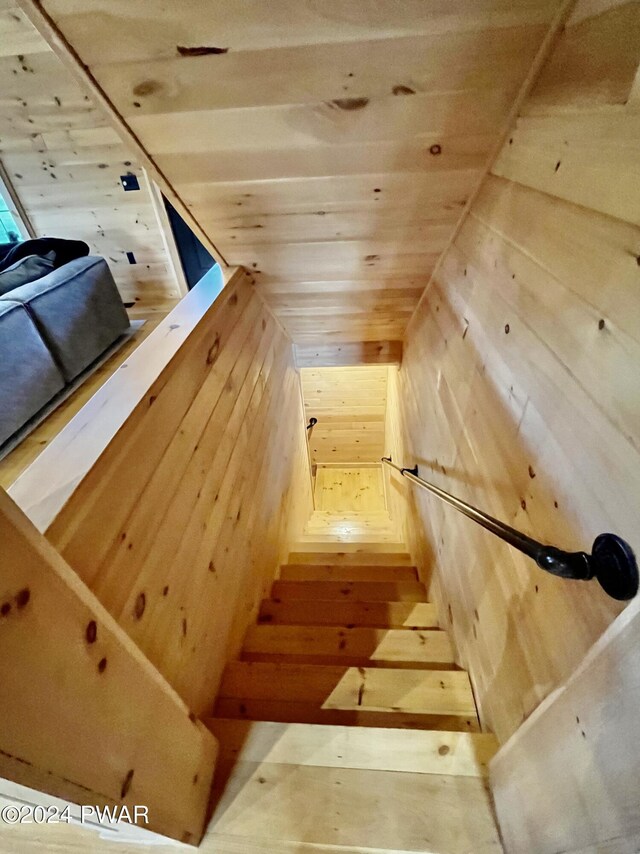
{"x": 576, "y": 757}
{"x": 358, "y": 646}
{"x": 351, "y": 572}
{"x": 352, "y": 591}
{"x": 316, "y": 704}
{"x": 350, "y": 554}
{"x": 105, "y": 692}
{"x": 362, "y": 696}
{"x": 398, "y": 491}
{"x": 335, "y": 146}
{"x": 65, "y": 163}
{"x": 348, "y": 747}
{"x": 352, "y": 529}
{"x": 337, "y": 808}
{"x": 44, "y": 488}
{"x": 320, "y": 612}
{"x": 350, "y": 406}
{"x": 348, "y": 353}
{"x": 348, "y": 488}
{"x": 80, "y": 840}
{"x": 212, "y": 455}
{"x": 519, "y": 378}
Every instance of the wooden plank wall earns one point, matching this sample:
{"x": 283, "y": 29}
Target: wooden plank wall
{"x": 65, "y": 162}
{"x": 85, "y": 717}
{"x": 342, "y": 355}
{"x": 520, "y": 379}
{"x": 350, "y": 405}
{"x": 398, "y": 490}
{"x": 567, "y": 781}
{"x": 180, "y": 525}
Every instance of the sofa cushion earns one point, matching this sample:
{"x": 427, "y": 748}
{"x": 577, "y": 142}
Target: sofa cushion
{"x": 26, "y": 270}
{"x": 29, "y": 377}
{"x": 78, "y": 312}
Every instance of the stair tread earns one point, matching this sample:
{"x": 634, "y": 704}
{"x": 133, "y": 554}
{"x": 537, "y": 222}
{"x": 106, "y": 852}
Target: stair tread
{"x": 262, "y": 807}
{"x": 288, "y": 711}
{"x": 360, "y": 591}
{"x": 462, "y": 754}
{"x": 395, "y": 695}
{"x": 318, "y": 612}
{"x": 338, "y": 572}
{"x": 362, "y": 646}
{"x": 309, "y": 547}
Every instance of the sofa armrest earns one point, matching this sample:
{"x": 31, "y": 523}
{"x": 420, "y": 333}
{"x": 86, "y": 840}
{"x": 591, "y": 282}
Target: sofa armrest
{"x": 29, "y": 377}
{"x": 78, "y": 312}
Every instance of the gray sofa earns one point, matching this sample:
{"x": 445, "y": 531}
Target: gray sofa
{"x": 51, "y": 330}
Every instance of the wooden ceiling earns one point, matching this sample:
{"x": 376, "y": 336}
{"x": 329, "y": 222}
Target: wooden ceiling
{"x": 327, "y": 145}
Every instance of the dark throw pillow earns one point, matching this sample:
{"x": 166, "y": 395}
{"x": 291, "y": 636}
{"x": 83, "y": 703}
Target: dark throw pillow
{"x": 26, "y": 270}
{"x": 65, "y": 250}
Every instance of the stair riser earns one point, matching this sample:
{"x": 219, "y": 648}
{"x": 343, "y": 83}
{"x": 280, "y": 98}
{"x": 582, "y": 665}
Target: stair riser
{"x": 351, "y": 553}
{"x": 391, "y": 615}
{"x": 360, "y": 692}
{"x": 358, "y": 646}
{"x": 357, "y": 591}
{"x": 283, "y": 712}
{"x": 346, "y": 660}
{"x": 329, "y": 572}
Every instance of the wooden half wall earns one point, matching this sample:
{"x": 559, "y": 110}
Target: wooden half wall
{"x": 180, "y": 525}
{"x": 567, "y": 781}
{"x": 520, "y": 378}
{"x": 85, "y": 716}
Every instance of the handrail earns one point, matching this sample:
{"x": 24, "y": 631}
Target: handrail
{"x": 612, "y": 560}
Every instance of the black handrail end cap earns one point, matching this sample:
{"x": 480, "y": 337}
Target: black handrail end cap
{"x": 615, "y": 567}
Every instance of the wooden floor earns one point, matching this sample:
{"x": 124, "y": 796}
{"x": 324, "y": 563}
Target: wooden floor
{"x": 349, "y": 488}
{"x": 12, "y": 466}
{"x": 352, "y": 526}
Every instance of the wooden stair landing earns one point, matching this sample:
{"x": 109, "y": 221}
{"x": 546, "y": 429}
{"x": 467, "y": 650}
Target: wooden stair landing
{"x": 345, "y": 724}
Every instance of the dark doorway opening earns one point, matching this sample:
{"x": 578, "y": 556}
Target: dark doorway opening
{"x": 195, "y": 259}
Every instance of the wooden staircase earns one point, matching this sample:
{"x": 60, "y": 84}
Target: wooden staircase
{"x": 345, "y": 724}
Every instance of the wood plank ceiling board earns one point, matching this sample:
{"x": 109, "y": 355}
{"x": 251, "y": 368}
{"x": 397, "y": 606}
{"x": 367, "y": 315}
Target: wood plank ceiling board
{"x": 17, "y": 33}
{"x": 316, "y": 143}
